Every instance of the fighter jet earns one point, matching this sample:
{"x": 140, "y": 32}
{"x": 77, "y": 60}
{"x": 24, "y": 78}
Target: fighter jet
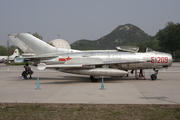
{"x": 96, "y": 64}
{"x": 11, "y": 58}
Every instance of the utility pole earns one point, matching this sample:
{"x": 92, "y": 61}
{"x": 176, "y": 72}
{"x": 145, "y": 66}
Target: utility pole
{"x": 8, "y": 51}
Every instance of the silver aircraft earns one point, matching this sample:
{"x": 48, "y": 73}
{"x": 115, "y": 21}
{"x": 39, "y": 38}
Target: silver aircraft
{"x": 96, "y": 64}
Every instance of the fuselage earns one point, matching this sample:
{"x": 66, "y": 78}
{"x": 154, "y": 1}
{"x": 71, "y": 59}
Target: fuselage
{"x": 156, "y": 59}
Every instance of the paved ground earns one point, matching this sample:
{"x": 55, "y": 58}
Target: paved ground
{"x": 57, "y": 87}
{"x": 2, "y": 65}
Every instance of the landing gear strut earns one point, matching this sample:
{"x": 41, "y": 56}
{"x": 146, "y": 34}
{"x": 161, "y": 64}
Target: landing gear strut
{"x": 154, "y": 76}
{"x": 93, "y": 79}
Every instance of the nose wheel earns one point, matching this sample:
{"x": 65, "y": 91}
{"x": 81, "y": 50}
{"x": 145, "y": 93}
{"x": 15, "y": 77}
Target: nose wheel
{"x": 154, "y": 76}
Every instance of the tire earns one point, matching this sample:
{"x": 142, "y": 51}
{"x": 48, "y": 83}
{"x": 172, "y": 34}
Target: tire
{"x": 153, "y": 77}
{"x": 127, "y": 75}
{"x": 93, "y": 79}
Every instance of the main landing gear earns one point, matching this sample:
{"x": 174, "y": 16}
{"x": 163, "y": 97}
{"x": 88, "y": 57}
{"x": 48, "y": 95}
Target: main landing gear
{"x": 93, "y": 79}
{"x": 139, "y": 75}
{"x": 154, "y": 76}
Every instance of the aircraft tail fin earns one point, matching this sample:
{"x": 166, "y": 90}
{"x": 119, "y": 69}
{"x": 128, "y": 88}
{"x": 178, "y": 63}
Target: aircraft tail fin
{"x": 38, "y": 46}
{"x": 20, "y": 44}
{"x": 16, "y": 53}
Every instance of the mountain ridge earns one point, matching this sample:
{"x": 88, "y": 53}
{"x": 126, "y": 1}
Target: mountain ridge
{"x": 121, "y": 35}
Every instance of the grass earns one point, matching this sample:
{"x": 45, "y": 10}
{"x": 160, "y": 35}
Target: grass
{"x": 19, "y": 63}
{"x": 19, "y": 111}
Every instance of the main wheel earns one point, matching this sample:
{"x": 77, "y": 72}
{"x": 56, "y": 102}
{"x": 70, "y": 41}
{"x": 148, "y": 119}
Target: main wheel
{"x": 153, "y": 77}
{"x": 127, "y": 75}
{"x": 93, "y": 79}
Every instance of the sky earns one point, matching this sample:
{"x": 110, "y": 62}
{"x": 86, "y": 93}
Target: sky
{"x": 83, "y": 19}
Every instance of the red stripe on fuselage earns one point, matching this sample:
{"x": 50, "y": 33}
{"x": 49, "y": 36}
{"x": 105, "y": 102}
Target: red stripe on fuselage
{"x": 62, "y": 59}
{"x": 65, "y": 59}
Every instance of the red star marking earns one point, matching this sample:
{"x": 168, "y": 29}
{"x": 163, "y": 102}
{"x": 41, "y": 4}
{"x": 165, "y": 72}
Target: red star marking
{"x": 68, "y": 58}
{"x": 15, "y": 51}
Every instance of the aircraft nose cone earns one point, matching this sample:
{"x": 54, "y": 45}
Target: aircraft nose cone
{"x": 170, "y": 60}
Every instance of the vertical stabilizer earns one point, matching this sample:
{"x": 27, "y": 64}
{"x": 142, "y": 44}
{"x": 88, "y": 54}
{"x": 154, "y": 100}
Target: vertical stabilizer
{"x": 15, "y": 54}
{"x": 38, "y": 46}
{"x": 20, "y": 44}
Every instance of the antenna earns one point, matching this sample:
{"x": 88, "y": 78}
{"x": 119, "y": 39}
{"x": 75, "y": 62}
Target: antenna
{"x": 58, "y": 36}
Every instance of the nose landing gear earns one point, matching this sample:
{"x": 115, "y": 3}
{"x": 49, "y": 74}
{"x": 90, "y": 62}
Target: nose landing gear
{"x": 154, "y": 76}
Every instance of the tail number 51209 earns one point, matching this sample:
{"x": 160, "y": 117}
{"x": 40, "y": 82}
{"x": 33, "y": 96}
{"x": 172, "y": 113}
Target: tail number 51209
{"x": 159, "y": 59}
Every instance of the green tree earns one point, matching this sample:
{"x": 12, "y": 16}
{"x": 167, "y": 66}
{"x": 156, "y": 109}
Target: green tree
{"x": 11, "y": 49}
{"x": 51, "y": 44}
{"x": 37, "y": 35}
{"x": 3, "y": 51}
{"x": 40, "y": 37}
{"x": 153, "y": 44}
{"x": 169, "y": 37}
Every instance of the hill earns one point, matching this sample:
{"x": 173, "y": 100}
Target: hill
{"x": 122, "y": 35}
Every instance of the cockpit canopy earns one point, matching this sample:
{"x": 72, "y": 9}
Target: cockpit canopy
{"x": 149, "y": 50}
{"x": 132, "y": 49}
{"x": 128, "y": 48}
